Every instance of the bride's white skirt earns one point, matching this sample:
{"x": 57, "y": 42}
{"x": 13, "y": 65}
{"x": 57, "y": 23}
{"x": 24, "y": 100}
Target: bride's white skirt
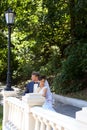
{"x": 48, "y": 105}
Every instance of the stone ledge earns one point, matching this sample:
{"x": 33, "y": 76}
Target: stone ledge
{"x": 71, "y": 101}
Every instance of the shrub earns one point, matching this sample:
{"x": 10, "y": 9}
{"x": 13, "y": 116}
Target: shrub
{"x": 74, "y": 70}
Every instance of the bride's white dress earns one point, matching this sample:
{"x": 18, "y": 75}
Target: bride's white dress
{"x": 48, "y": 101}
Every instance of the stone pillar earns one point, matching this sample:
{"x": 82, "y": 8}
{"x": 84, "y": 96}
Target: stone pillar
{"x": 6, "y": 94}
{"x": 82, "y": 115}
{"x": 29, "y": 101}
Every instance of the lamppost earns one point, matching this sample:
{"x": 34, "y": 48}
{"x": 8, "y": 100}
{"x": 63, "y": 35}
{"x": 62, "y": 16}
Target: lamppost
{"x": 9, "y": 16}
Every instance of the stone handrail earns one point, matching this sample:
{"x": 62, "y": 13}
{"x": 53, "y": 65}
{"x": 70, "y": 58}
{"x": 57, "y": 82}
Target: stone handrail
{"x": 16, "y": 112}
{"x": 49, "y": 120}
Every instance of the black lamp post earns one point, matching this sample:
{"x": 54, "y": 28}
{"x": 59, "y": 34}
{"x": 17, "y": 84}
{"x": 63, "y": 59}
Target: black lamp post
{"x": 9, "y": 16}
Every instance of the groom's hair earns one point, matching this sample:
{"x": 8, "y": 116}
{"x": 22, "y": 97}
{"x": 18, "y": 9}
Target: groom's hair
{"x": 35, "y": 73}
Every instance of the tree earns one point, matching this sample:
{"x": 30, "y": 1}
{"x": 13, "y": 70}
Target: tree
{"x": 48, "y": 36}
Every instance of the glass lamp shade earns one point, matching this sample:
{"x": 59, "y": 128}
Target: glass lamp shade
{"x": 9, "y": 16}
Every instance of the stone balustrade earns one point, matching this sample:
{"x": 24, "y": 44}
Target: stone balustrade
{"x": 16, "y": 112}
{"x": 27, "y": 114}
{"x": 49, "y": 120}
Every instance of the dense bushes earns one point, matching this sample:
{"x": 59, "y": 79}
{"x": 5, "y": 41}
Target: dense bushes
{"x": 73, "y": 74}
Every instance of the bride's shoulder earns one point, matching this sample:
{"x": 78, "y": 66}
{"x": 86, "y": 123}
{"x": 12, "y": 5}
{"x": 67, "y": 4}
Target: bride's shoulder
{"x": 44, "y": 87}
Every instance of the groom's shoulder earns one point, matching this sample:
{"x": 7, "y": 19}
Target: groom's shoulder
{"x": 30, "y": 83}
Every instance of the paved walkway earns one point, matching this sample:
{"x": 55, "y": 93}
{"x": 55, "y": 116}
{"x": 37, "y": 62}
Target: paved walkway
{"x": 62, "y": 108}
{"x": 66, "y": 109}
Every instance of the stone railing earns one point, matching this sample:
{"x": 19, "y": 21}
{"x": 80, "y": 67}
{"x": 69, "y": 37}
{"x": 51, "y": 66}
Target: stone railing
{"x": 27, "y": 114}
{"x": 48, "y": 120}
{"x": 82, "y": 115}
{"x": 16, "y": 112}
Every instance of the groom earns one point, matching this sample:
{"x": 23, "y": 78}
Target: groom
{"x": 34, "y": 83}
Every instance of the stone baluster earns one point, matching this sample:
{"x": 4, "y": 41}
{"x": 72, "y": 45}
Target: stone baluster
{"x": 12, "y": 112}
{"x": 42, "y": 127}
{"x": 48, "y": 127}
{"x": 6, "y": 94}
{"x": 58, "y": 127}
{"x": 9, "y": 112}
{"x": 37, "y": 123}
{"x": 23, "y": 119}
{"x": 62, "y": 128}
{"x": 54, "y": 127}
{"x": 15, "y": 115}
{"x": 20, "y": 119}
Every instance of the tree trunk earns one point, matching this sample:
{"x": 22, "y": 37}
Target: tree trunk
{"x": 72, "y": 17}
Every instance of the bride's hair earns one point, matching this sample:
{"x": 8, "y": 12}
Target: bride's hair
{"x": 42, "y": 77}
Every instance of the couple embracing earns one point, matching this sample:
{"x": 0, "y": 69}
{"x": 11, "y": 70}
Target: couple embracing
{"x": 40, "y": 85}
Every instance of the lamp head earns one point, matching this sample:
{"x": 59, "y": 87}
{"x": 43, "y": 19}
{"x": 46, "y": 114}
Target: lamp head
{"x": 9, "y": 16}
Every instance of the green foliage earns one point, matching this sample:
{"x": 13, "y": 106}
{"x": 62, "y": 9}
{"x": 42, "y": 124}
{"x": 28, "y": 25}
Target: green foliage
{"x": 51, "y": 67}
{"x": 81, "y": 20}
{"x": 50, "y": 37}
{"x": 74, "y": 70}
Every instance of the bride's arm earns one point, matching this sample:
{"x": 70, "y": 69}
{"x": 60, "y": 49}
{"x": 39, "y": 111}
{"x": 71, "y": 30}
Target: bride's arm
{"x": 44, "y": 92}
{"x": 37, "y": 90}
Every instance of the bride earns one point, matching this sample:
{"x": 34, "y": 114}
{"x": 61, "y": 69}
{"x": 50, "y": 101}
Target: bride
{"x": 45, "y": 91}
